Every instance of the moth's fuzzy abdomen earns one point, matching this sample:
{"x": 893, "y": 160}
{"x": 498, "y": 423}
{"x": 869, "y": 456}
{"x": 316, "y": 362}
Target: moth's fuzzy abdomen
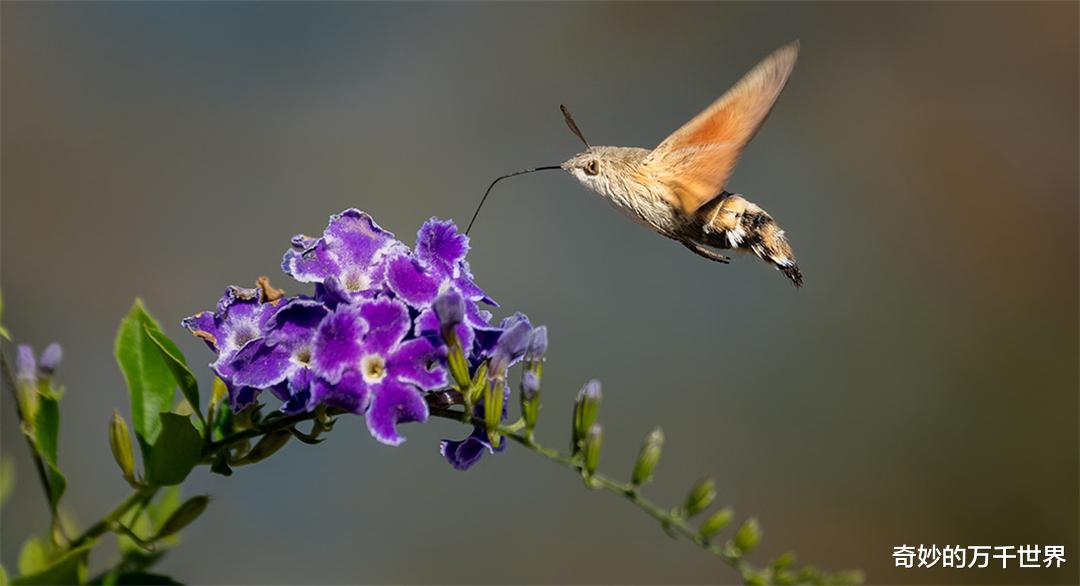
{"x": 731, "y": 221}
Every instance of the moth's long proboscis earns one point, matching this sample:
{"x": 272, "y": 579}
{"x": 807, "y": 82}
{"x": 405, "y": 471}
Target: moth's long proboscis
{"x": 498, "y": 179}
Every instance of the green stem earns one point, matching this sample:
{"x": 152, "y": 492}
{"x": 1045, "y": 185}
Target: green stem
{"x": 39, "y": 463}
{"x": 671, "y": 521}
{"x": 106, "y": 523}
{"x": 145, "y": 493}
{"x": 278, "y": 424}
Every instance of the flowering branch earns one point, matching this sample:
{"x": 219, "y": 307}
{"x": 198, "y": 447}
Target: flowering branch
{"x": 675, "y": 521}
{"x": 392, "y": 334}
{"x": 29, "y": 393}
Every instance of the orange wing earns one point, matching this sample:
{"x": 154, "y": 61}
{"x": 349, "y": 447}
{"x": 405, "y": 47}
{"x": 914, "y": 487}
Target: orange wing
{"x": 697, "y": 159}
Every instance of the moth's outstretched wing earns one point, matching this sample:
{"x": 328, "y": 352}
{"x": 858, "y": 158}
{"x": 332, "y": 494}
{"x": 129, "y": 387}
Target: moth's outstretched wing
{"x": 697, "y": 159}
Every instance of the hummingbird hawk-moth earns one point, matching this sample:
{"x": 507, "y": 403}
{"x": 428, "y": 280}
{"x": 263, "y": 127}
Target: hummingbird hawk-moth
{"x": 677, "y": 188}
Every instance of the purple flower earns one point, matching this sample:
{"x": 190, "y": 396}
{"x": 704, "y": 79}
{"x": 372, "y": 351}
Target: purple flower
{"x": 239, "y": 319}
{"x": 281, "y": 359}
{"x": 348, "y": 260}
{"x": 437, "y": 265}
{"x": 464, "y": 453}
{"x": 442, "y": 249}
{"x": 440, "y": 246}
{"x": 362, "y": 357}
{"x": 372, "y": 340}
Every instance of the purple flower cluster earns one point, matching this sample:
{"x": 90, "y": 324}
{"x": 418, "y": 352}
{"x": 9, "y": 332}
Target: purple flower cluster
{"x": 370, "y": 339}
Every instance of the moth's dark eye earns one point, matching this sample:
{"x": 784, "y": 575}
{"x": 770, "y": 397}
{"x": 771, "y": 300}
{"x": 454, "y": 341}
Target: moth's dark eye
{"x": 592, "y": 167}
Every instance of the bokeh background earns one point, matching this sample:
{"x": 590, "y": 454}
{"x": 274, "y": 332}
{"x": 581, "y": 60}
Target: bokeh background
{"x": 922, "y": 387}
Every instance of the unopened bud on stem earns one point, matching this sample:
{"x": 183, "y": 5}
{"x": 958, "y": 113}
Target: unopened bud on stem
{"x": 593, "y": 439}
{"x": 493, "y": 408}
{"x": 50, "y": 359}
{"x": 530, "y": 399}
{"x": 748, "y": 535}
{"x": 716, "y": 522}
{"x": 120, "y": 444}
{"x": 700, "y": 497}
{"x": 534, "y": 352}
{"x": 586, "y": 410}
{"x": 648, "y": 458}
{"x": 449, "y": 307}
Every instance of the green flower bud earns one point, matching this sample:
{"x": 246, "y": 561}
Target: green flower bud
{"x": 530, "y": 399}
{"x": 700, "y": 497}
{"x": 459, "y": 366}
{"x": 29, "y": 404}
{"x": 183, "y": 516}
{"x": 267, "y": 446}
{"x": 647, "y": 459}
{"x": 715, "y": 523}
{"x": 475, "y": 390}
{"x": 120, "y": 443}
{"x": 493, "y": 408}
{"x": 593, "y": 439}
{"x": 784, "y": 560}
{"x": 586, "y": 410}
{"x": 748, "y": 536}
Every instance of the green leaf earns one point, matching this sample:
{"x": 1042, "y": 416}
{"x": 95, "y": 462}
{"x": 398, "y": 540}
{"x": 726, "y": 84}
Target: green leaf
{"x": 177, "y": 450}
{"x": 69, "y": 568}
{"x": 34, "y": 555}
{"x": 46, "y": 436}
{"x": 174, "y": 358}
{"x": 150, "y": 380}
{"x": 3, "y": 576}
{"x": 183, "y": 516}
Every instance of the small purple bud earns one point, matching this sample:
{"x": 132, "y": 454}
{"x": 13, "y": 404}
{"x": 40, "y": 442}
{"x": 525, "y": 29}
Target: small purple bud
{"x": 590, "y": 392}
{"x": 530, "y": 384}
{"x": 50, "y": 358}
{"x": 25, "y": 365}
{"x": 510, "y": 347}
{"x": 450, "y": 309}
{"x": 586, "y": 410}
{"x": 537, "y": 344}
{"x": 530, "y": 399}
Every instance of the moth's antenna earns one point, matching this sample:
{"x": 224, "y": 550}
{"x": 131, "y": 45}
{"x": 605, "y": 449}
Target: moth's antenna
{"x": 514, "y": 174}
{"x": 573, "y": 125}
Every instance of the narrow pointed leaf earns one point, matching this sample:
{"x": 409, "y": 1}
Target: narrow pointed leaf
{"x": 46, "y": 437}
{"x": 177, "y": 364}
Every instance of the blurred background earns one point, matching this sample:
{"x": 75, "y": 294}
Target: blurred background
{"x": 922, "y": 387}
